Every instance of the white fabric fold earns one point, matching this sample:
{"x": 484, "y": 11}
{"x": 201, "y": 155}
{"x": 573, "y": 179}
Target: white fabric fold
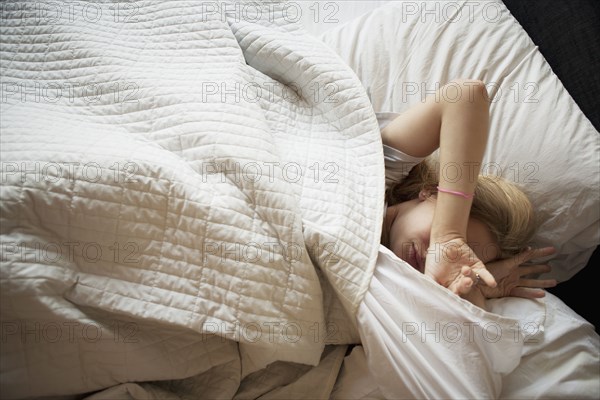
{"x": 422, "y": 341}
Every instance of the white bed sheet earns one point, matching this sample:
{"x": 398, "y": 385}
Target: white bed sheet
{"x": 421, "y": 341}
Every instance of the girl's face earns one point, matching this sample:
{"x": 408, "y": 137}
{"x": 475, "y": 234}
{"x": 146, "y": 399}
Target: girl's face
{"x": 411, "y": 228}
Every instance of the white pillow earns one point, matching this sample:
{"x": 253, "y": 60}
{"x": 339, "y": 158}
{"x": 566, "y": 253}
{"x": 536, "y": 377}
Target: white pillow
{"x": 539, "y": 138}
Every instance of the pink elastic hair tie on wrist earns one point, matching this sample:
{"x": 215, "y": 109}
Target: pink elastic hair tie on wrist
{"x": 456, "y": 193}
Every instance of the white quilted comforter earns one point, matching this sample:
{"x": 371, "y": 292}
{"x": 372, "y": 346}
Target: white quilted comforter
{"x": 164, "y": 188}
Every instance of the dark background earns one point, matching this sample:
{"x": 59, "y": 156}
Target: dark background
{"x": 567, "y": 33}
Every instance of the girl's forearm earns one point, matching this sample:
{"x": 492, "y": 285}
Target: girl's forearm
{"x": 455, "y": 120}
{"x": 463, "y": 138}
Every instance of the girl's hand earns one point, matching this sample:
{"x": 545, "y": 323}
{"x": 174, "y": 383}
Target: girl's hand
{"x": 454, "y": 265}
{"x": 512, "y": 276}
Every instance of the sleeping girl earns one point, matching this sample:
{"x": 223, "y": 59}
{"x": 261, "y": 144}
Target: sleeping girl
{"x": 468, "y": 233}
{"x": 464, "y": 230}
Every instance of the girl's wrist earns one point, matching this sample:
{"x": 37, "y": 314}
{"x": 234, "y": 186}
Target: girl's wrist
{"x": 451, "y": 218}
{"x": 456, "y": 193}
{"x": 444, "y": 237}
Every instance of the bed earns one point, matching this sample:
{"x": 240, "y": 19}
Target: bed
{"x": 192, "y": 199}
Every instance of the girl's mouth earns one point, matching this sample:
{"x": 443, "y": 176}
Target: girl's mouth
{"x": 412, "y": 257}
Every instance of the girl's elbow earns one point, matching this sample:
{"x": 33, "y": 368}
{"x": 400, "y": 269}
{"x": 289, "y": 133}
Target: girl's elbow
{"x": 467, "y": 91}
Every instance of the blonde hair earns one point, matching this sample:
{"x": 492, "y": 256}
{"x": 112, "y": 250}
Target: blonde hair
{"x": 498, "y": 203}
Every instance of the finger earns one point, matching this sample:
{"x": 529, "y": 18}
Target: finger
{"x": 463, "y": 284}
{"x": 543, "y": 252}
{"x": 466, "y": 271}
{"x": 485, "y": 275}
{"x": 527, "y": 293}
{"x": 522, "y": 257}
{"x": 532, "y": 254}
{"x": 537, "y": 283}
{"x": 534, "y": 269}
{"x": 515, "y": 261}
